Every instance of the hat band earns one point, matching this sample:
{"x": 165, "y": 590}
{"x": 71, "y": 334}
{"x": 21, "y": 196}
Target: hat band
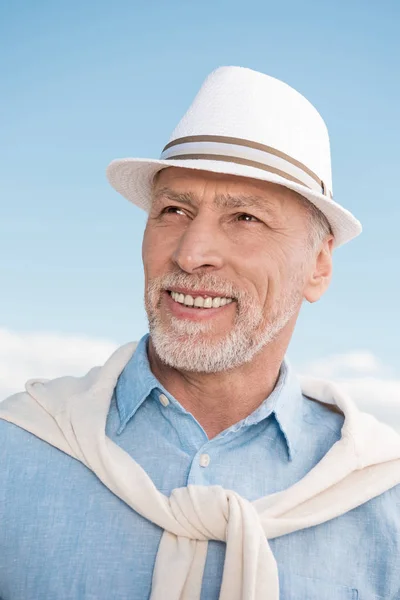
{"x": 243, "y": 152}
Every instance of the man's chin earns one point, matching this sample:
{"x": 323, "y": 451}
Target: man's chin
{"x": 189, "y": 329}
{"x": 188, "y": 355}
{"x": 172, "y": 336}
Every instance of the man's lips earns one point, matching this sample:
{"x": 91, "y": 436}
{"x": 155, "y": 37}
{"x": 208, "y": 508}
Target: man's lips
{"x": 191, "y": 312}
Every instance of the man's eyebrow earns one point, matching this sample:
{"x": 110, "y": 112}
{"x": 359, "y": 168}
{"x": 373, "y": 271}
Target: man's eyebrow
{"x": 221, "y": 202}
{"x": 238, "y": 201}
{"x": 165, "y": 193}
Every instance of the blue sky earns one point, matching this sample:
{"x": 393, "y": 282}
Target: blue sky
{"x": 85, "y": 82}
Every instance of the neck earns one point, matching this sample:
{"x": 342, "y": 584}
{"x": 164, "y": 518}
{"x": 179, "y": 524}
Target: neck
{"x": 219, "y": 400}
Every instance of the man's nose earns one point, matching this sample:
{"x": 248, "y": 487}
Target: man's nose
{"x": 200, "y": 247}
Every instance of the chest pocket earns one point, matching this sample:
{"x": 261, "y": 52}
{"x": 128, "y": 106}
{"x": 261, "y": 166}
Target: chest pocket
{"x": 298, "y": 587}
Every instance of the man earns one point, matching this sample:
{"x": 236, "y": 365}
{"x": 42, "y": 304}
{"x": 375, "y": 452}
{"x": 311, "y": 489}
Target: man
{"x": 203, "y": 468}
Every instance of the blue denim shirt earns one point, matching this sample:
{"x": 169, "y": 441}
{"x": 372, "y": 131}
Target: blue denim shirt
{"x": 64, "y": 535}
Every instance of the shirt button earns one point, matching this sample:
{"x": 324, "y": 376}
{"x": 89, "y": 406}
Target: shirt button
{"x": 204, "y": 460}
{"x": 163, "y": 399}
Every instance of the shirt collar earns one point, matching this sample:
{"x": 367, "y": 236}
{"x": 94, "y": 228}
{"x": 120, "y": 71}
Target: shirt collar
{"x": 135, "y": 384}
{"x": 286, "y": 404}
{"x": 137, "y": 381}
{"x": 289, "y": 407}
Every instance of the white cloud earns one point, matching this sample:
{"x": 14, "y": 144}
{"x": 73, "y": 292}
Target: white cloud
{"x": 27, "y": 355}
{"x": 349, "y": 364}
{"x": 374, "y": 386}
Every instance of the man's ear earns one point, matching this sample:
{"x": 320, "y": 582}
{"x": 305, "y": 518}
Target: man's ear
{"x": 321, "y": 274}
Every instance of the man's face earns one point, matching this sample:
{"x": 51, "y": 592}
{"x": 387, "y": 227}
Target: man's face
{"x": 238, "y": 244}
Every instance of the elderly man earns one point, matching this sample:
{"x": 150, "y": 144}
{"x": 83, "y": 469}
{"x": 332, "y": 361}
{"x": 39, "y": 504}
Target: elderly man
{"x": 195, "y": 465}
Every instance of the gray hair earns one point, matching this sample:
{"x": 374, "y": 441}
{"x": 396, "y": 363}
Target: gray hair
{"x": 320, "y": 227}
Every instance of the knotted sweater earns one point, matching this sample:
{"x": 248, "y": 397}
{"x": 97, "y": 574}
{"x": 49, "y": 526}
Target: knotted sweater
{"x": 70, "y": 414}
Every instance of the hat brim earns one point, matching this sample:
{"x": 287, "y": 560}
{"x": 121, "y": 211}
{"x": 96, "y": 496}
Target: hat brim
{"x": 133, "y": 179}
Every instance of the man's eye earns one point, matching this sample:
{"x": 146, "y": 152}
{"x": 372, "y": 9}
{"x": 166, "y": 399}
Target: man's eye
{"x": 248, "y": 218}
{"x": 170, "y": 210}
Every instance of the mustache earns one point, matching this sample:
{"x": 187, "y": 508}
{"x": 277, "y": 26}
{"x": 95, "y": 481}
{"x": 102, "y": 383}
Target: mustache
{"x": 196, "y": 283}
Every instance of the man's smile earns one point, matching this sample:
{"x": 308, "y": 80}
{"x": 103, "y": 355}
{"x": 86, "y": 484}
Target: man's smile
{"x": 196, "y": 307}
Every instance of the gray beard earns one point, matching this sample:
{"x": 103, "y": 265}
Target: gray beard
{"x": 190, "y": 346}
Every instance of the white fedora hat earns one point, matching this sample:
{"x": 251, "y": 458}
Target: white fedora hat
{"x": 246, "y": 123}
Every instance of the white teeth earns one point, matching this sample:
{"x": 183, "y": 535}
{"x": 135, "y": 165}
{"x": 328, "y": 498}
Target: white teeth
{"x": 177, "y": 297}
{"x": 188, "y": 300}
{"x": 216, "y": 302}
{"x": 199, "y": 301}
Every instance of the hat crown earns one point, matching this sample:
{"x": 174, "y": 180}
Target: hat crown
{"x": 237, "y": 102}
